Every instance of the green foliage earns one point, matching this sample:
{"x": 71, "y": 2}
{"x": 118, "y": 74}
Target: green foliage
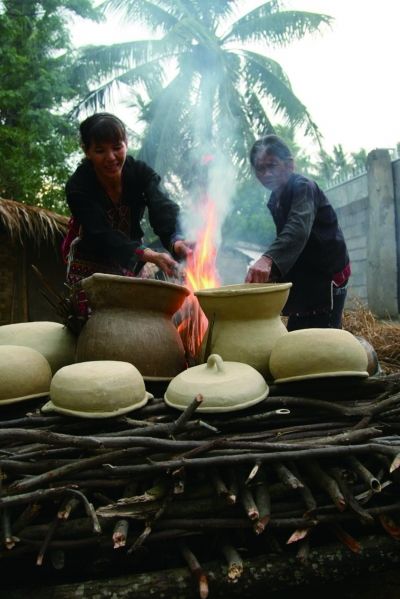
{"x": 249, "y": 219}
{"x": 36, "y": 138}
{"x": 221, "y": 95}
{"x": 338, "y": 165}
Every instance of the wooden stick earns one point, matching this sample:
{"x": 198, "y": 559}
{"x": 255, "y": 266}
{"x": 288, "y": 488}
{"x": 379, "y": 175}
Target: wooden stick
{"x": 187, "y": 414}
{"x": 235, "y": 562}
{"x": 247, "y": 500}
{"x": 195, "y": 569}
{"x": 263, "y": 502}
{"x": 120, "y": 533}
{"x": 349, "y": 498}
{"x": 26, "y": 517}
{"x": 305, "y": 490}
{"x": 233, "y": 486}
{"x": 287, "y": 477}
{"x": 149, "y": 524}
{"x": 218, "y": 484}
{"x": 364, "y": 474}
{"x": 49, "y": 535}
{"x": 244, "y": 458}
{"x": 326, "y": 483}
{"x": 8, "y": 538}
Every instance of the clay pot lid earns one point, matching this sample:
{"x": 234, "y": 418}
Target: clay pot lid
{"x": 317, "y": 353}
{"x": 25, "y": 374}
{"x": 97, "y": 389}
{"x": 225, "y": 386}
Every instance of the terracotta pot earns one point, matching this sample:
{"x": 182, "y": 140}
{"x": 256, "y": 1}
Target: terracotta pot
{"x": 246, "y": 322}
{"x": 131, "y": 321}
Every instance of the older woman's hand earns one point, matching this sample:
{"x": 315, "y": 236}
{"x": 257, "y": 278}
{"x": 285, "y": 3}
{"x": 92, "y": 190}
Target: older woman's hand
{"x": 260, "y": 271}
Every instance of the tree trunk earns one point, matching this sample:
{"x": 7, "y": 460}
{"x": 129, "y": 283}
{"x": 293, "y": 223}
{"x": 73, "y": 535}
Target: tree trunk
{"x": 327, "y": 564}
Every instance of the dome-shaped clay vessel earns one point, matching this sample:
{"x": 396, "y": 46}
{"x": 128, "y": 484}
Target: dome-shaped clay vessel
{"x": 373, "y": 367}
{"x": 100, "y": 389}
{"x": 247, "y": 321}
{"x": 24, "y": 374}
{"x": 52, "y": 339}
{"x": 131, "y": 321}
{"x": 317, "y": 353}
{"x": 225, "y": 386}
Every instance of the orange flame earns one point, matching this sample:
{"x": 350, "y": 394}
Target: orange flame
{"x": 201, "y": 273}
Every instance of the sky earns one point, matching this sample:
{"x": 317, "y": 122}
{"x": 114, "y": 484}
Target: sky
{"x": 347, "y": 76}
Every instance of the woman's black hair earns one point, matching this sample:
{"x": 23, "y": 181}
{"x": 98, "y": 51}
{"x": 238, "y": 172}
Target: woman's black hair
{"x": 102, "y": 127}
{"x": 271, "y": 144}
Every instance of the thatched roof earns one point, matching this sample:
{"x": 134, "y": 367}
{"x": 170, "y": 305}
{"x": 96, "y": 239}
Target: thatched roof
{"x": 22, "y": 221}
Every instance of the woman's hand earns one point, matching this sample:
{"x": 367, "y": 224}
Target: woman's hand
{"x": 162, "y": 260}
{"x": 183, "y": 248}
{"x": 260, "y": 271}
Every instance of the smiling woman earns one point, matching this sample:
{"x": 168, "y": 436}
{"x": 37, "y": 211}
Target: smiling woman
{"x": 108, "y": 195}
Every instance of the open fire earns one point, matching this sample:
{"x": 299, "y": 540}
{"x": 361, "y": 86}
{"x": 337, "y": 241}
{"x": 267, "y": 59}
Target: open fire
{"x": 201, "y": 273}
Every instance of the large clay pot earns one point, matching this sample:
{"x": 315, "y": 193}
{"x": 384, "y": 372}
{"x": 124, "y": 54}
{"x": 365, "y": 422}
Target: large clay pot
{"x": 245, "y": 322}
{"x": 131, "y": 321}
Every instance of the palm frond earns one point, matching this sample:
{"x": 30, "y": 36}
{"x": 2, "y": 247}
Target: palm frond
{"x": 235, "y": 128}
{"x": 212, "y": 12}
{"x": 167, "y": 114}
{"x": 258, "y": 117}
{"x": 149, "y": 13}
{"x": 276, "y": 28}
{"x": 266, "y": 82}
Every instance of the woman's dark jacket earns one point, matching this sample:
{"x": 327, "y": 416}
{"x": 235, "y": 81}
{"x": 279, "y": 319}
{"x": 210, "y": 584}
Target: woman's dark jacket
{"x": 89, "y": 204}
{"x": 309, "y": 249}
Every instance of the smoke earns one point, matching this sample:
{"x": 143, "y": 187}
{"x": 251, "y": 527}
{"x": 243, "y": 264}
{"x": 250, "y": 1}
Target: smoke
{"x": 216, "y": 189}
{"x": 211, "y": 130}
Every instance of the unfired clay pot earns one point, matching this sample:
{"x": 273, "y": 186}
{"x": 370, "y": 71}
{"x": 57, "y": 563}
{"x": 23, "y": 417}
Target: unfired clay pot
{"x": 24, "y": 374}
{"x": 131, "y": 321}
{"x": 52, "y": 339}
{"x": 99, "y": 389}
{"x": 225, "y": 386}
{"x": 246, "y": 322}
{"x": 317, "y": 353}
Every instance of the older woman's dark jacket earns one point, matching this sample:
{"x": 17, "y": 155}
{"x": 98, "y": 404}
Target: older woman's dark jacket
{"x": 309, "y": 250}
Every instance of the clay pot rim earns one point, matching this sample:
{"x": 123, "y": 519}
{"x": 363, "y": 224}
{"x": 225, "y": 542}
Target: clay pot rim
{"x": 98, "y": 276}
{"x": 218, "y": 409}
{"x": 52, "y": 407}
{"x": 11, "y": 400}
{"x": 243, "y": 289}
{"x": 323, "y": 375}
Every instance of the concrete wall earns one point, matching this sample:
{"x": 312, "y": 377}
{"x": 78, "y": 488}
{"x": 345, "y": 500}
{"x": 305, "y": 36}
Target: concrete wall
{"x": 350, "y": 201}
{"x": 368, "y": 209}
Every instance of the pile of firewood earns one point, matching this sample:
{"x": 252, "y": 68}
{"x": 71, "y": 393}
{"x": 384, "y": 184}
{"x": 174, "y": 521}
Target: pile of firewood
{"x": 311, "y": 462}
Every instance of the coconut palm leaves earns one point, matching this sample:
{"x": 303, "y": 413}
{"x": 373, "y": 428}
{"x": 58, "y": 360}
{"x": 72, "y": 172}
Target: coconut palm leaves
{"x": 200, "y": 83}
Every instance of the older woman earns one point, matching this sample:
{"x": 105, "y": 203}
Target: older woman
{"x": 309, "y": 249}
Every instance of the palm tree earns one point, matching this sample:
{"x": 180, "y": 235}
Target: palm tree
{"x": 222, "y": 93}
